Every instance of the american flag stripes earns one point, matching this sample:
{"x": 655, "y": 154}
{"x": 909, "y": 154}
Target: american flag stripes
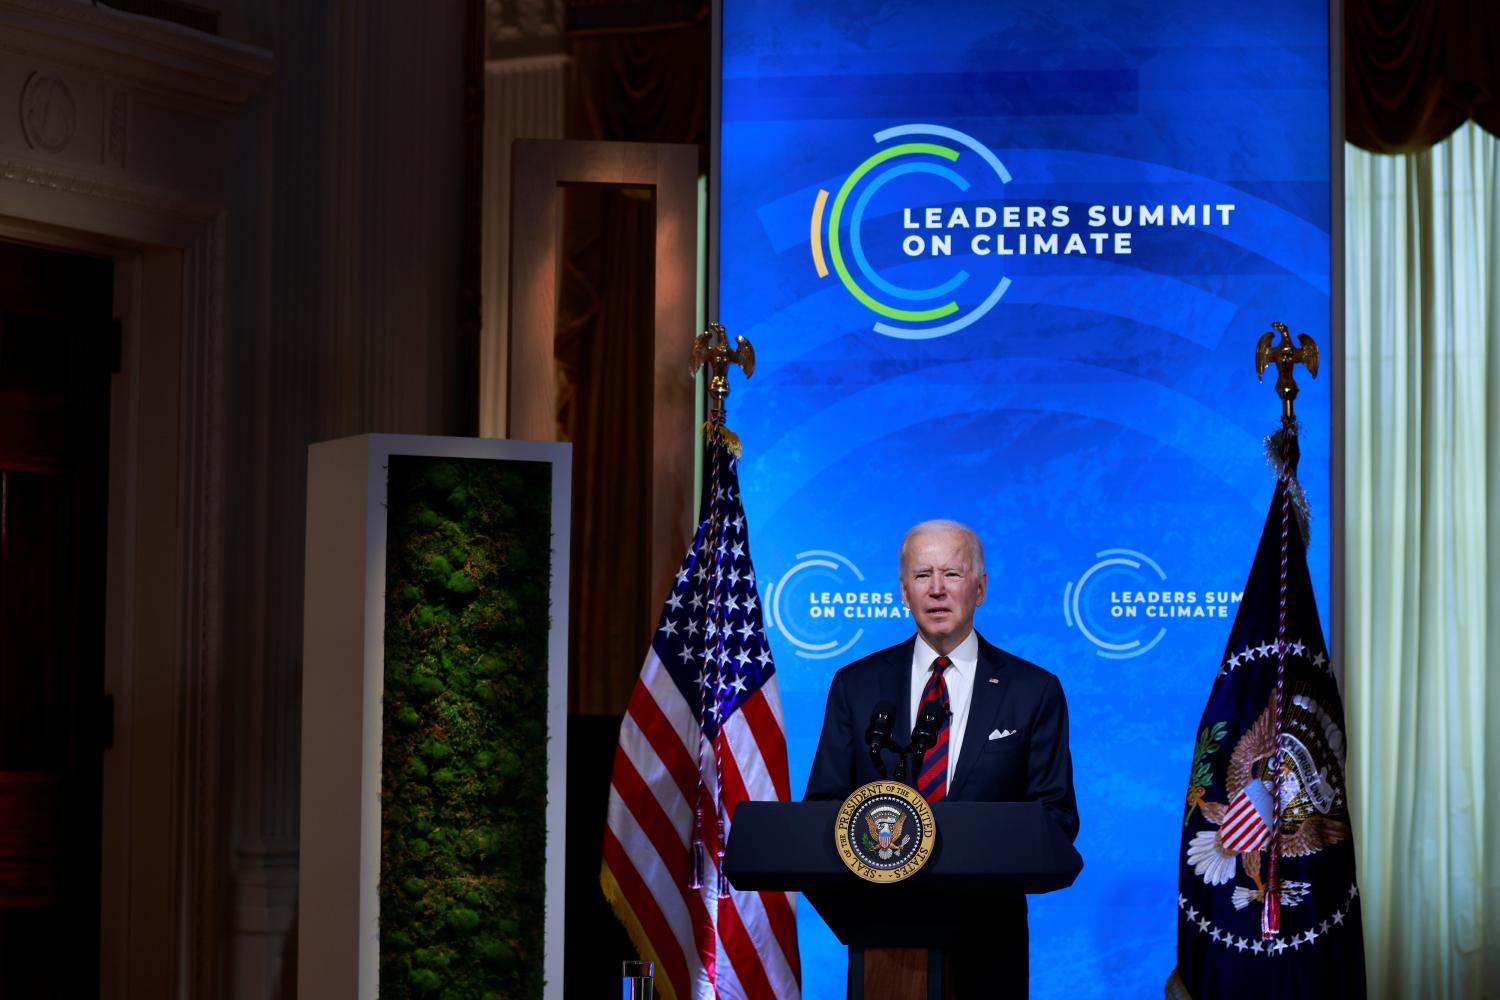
{"x": 1245, "y": 824}
{"x": 703, "y": 732}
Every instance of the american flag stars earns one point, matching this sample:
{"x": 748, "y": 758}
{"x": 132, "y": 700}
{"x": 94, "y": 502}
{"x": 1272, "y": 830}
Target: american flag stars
{"x": 718, "y": 582}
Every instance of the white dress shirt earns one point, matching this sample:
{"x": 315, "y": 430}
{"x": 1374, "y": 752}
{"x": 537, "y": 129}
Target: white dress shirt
{"x": 959, "y": 677}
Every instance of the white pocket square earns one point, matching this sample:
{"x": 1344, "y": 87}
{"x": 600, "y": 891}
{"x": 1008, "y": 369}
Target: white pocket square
{"x": 999, "y": 735}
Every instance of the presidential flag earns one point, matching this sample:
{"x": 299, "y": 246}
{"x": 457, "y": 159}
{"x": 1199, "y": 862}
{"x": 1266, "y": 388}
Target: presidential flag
{"x": 703, "y": 733}
{"x": 1268, "y": 904}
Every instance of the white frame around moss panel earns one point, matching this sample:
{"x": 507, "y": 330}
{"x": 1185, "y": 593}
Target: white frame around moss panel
{"x": 343, "y": 652}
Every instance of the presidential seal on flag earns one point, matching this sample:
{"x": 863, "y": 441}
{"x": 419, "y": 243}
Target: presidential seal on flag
{"x": 1313, "y": 811}
{"x": 1268, "y": 903}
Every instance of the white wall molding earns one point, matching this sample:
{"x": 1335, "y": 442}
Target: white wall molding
{"x": 131, "y": 164}
{"x": 524, "y": 98}
{"x": 38, "y": 173}
{"x": 201, "y": 773}
{"x": 266, "y": 888}
{"x": 217, "y": 74}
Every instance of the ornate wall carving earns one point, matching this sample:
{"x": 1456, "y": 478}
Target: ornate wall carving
{"x": 522, "y": 28}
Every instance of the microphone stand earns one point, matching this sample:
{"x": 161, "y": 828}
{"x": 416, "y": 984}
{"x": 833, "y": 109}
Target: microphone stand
{"x": 901, "y": 755}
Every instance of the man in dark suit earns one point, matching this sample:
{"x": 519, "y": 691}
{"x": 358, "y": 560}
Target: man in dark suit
{"x": 1004, "y": 738}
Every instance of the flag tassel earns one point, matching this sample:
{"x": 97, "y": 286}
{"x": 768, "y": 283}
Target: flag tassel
{"x": 695, "y": 877}
{"x": 719, "y": 861}
{"x": 1270, "y": 917}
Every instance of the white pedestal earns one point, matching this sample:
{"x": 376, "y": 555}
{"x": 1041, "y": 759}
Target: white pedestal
{"x": 342, "y": 687}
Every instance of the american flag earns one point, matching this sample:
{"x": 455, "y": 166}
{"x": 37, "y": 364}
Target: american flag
{"x": 703, "y": 732}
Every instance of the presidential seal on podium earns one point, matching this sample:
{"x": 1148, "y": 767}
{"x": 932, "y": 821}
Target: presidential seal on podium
{"x": 885, "y": 831}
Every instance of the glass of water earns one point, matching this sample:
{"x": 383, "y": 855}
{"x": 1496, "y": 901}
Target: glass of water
{"x": 637, "y": 980}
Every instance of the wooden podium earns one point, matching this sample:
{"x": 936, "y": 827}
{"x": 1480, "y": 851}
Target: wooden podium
{"x": 899, "y": 934}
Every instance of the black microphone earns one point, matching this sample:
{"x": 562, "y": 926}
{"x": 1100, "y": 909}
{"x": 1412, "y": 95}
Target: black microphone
{"x": 878, "y": 733}
{"x": 924, "y": 732}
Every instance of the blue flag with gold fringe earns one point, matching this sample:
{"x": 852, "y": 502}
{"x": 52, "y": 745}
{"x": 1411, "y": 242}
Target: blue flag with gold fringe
{"x": 1268, "y": 903}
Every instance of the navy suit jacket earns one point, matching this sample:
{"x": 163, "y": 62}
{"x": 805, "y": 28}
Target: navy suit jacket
{"x": 1034, "y": 765}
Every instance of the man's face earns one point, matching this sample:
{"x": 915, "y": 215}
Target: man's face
{"x": 941, "y": 586}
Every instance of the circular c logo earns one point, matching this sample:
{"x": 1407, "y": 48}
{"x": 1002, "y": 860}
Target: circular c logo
{"x": 907, "y": 313}
{"x": 1116, "y": 639}
{"x": 814, "y": 637}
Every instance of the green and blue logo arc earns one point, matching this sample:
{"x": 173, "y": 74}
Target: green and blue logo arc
{"x": 905, "y": 313}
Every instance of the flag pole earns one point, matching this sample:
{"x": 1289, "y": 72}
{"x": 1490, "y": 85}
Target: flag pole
{"x": 707, "y": 693}
{"x": 1283, "y": 452}
{"x": 1268, "y": 821}
{"x": 711, "y": 349}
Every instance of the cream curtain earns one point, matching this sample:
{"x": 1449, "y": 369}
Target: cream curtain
{"x": 1422, "y": 562}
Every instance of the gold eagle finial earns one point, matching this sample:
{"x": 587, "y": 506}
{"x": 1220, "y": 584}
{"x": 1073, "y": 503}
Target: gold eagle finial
{"x": 711, "y": 349}
{"x": 1285, "y": 357}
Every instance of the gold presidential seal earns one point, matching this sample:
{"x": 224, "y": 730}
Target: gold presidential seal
{"x": 885, "y": 831}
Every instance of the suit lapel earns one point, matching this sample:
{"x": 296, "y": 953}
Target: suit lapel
{"x": 984, "y": 703}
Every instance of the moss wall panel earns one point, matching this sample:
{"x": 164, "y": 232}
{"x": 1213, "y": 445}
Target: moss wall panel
{"x": 464, "y": 746}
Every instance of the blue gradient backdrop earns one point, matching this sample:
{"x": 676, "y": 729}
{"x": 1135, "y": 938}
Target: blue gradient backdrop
{"x": 1107, "y": 402}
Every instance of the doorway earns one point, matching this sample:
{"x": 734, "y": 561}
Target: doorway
{"x": 58, "y": 348}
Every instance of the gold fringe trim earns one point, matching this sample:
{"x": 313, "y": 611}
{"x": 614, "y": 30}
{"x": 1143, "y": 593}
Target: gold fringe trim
{"x": 1176, "y": 989}
{"x": 728, "y": 438}
{"x": 664, "y": 986}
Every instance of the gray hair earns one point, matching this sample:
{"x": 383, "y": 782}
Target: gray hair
{"x": 976, "y": 546}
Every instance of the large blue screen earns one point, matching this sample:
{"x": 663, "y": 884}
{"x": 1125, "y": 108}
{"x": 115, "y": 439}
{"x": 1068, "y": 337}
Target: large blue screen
{"x": 1007, "y": 263}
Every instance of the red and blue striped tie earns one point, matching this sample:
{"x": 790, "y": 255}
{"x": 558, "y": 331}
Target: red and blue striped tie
{"x": 933, "y": 781}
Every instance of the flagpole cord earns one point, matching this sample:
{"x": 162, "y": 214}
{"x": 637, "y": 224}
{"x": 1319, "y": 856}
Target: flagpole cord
{"x": 1282, "y": 449}
{"x": 709, "y": 677}
{"x": 705, "y": 546}
{"x": 720, "y": 618}
{"x": 1271, "y": 912}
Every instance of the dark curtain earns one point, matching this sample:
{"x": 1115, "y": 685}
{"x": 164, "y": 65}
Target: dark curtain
{"x": 1415, "y": 70}
{"x": 639, "y": 79}
{"x": 605, "y": 354}
{"x": 641, "y": 74}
